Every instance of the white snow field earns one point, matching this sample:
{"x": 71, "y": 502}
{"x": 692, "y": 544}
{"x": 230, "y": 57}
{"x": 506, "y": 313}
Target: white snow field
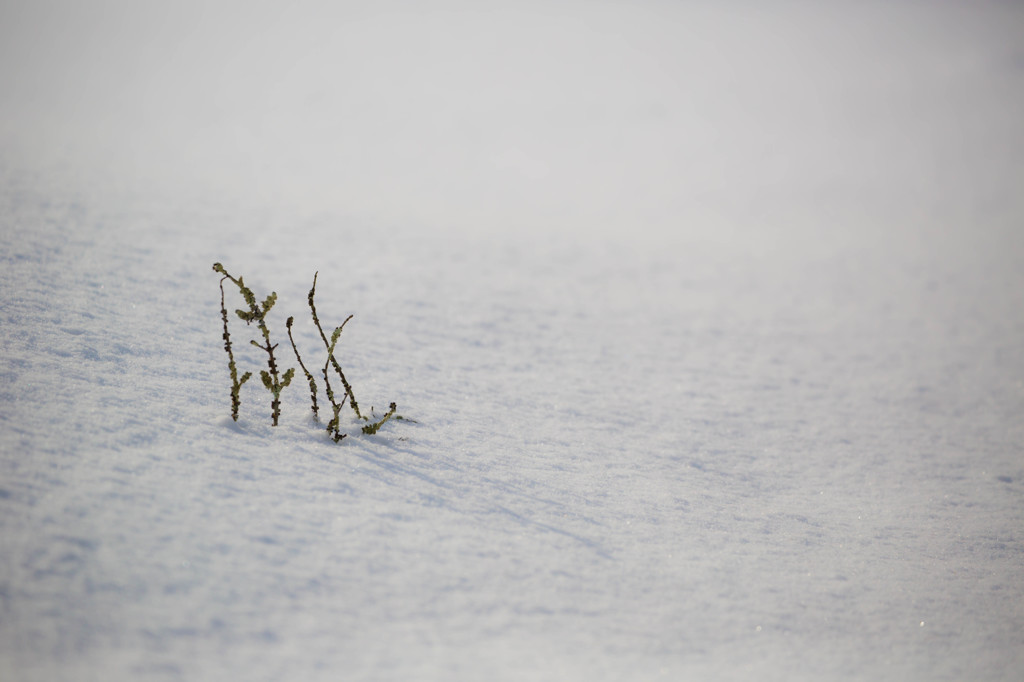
{"x": 709, "y": 316}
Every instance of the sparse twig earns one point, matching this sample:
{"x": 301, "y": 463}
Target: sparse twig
{"x": 371, "y": 429}
{"x": 309, "y": 377}
{"x": 236, "y": 383}
{"x": 272, "y": 380}
{"x": 334, "y": 426}
{"x": 330, "y": 350}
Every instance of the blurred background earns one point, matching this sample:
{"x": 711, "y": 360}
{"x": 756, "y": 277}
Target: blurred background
{"x": 640, "y": 118}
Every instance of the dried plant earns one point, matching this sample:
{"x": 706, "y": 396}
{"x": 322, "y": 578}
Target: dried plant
{"x": 236, "y": 383}
{"x": 372, "y": 428}
{"x": 273, "y": 381}
{"x": 330, "y": 349}
{"x": 309, "y": 377}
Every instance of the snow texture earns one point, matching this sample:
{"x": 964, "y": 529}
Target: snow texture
{"x": 710, "y": 317}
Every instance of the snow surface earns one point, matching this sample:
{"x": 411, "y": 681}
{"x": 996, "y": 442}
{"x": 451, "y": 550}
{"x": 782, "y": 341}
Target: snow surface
{"x": 710, "y": 317}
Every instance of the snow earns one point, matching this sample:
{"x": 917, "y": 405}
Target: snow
{"x": 709, "y": 319}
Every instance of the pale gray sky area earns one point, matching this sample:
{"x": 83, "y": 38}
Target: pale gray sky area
{"x": 597, "y": 115}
